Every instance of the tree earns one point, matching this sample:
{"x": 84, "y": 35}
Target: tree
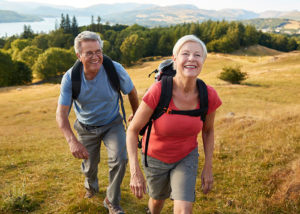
{"x": 2, "y": 43}
{"x": 74, "y": 27}
{"x": 20, "y": 44}
{"x": 99, "y": 24}
{"x": 6, "y": 68}
{"x": 251, "y": 35}
{"x": 292, "y": 44}
{"x": 29, "y": 55}
{"x": 17, "y": 46}
{"x": 165, "y": 45}
{"x": 27, "y": 33}
{"x": 53, "y": 62}
{"x": 62, "y": 22}
{"x": 132, "y": 49}
{"x": 60, "y": 39}
{"x": 22, "y": 74}
{"x": 41, "y": 41}
{"x": 13, "y": 72}
{"x": 67, "y": 28}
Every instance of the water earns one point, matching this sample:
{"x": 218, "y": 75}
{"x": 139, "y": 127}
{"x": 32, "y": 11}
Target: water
{"x": 48, "y": 24}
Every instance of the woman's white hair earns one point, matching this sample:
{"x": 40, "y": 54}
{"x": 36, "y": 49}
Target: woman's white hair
{"x": 86, "y": 36}
{"x": 189, "y": 38}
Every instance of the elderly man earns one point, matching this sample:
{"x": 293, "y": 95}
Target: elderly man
{"x": 98, "y": 118}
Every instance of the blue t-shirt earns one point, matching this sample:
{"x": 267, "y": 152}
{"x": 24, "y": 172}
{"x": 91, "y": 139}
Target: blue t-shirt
{"x": 97, "y": 103}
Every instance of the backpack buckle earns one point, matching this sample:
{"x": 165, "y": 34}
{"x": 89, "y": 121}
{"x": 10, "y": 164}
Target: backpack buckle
{"x": 167, "y": 110}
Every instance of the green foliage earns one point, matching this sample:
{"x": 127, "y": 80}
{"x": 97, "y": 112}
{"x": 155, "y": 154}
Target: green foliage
{"x": 233, "y": 74}
{"x": 41, "y": 41}
{"x": 27, "y": 33}
{"x": 29, "y": 55}
{"x": 2, "y": 43}
{"x": 53, "y": 62}
{"x": 17, "y": 46}
{"x": 13, "y": 72}
{"x": 20, "y": 44}
{"x": 60, "y": 39}
{"x": 22, "y": 74}
{"x": 132, "y": 49}
{"x": 6, "y": 67}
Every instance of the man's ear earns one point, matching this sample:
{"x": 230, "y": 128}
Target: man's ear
{"x": 78, "y": 56}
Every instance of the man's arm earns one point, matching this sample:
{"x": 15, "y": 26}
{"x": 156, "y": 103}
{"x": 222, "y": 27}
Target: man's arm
{"x": 76, "y": 148}
{"x": 134, "y": 102}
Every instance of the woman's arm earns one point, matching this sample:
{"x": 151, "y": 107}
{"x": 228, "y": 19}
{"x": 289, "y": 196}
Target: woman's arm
{"x": 208, "y": 145}
{"x": 141, "y": 117}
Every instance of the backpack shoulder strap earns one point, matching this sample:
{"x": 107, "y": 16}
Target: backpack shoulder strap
{"x": 203, "y": 96}
{"x": 165, "y": 97}
{"x": 114, "y": 81}
{"x": 111, "y": 73}
{"x": 76, "y": 79}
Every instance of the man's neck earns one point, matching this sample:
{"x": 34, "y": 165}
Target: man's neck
{"x": 89, "y": 75}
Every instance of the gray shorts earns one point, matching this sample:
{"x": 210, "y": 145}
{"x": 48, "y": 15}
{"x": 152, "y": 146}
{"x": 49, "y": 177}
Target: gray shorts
{"x": 176, "y": 180}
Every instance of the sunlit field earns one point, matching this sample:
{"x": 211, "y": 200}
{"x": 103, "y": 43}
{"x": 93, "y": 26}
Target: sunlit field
{"x": 257, "y": 144}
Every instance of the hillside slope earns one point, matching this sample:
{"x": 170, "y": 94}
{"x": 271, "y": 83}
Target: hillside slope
{"x": 256, "y": 158}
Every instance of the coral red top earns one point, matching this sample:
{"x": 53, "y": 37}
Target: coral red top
{"x": 174, "y": 136}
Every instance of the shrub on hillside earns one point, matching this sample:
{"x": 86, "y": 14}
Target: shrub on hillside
{"x": 53, "y": 62}
{"x": 13, "y": 72}
{"x": 233, "y": 74}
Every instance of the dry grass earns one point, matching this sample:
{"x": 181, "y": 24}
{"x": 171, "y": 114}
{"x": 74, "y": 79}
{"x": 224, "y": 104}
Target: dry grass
{"x": 256, "y": 159}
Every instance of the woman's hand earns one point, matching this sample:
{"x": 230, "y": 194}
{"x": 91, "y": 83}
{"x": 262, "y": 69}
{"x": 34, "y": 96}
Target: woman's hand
{"x": 207, "y": 179}
{"x": 138, "y": 184}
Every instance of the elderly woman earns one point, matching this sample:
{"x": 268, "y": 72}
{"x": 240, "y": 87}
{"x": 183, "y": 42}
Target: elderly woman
{"x": 173, "y": 147}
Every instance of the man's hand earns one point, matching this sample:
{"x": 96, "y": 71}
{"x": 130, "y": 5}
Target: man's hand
{"x": 130, "y": 118}
{"x": 78, "y": 150}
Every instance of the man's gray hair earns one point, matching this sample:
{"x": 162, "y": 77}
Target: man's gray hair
{"x": 86, "y": 36}
{"x": 189, "y": 38}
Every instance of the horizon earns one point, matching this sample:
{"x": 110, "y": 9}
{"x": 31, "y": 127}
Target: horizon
{"x": 250, "y": 5}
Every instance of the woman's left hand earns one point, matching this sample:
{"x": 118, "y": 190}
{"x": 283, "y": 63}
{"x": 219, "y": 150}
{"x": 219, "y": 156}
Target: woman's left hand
{"x": 207, "y": 179}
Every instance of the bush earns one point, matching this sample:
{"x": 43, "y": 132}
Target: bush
{"x": 53, "y": 62}
{"x": 233, "y": 74}
{"x": 17, "y": 201}
{"x": 13, "y": 72}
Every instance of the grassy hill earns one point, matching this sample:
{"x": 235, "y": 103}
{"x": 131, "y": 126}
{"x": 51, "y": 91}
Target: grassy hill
{"x": 257, "y": 144}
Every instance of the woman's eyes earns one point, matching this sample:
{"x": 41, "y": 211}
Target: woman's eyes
{"x": 195, "y": 55}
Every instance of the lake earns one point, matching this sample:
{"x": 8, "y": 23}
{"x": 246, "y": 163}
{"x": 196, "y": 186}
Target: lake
{"x": 48, "y": 24}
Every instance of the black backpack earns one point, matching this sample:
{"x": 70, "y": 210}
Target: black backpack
{"x": 110, "y": 72}
{"x": 165, "y": 74}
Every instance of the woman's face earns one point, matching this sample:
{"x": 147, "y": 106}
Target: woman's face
{"x": 189, "y": 60}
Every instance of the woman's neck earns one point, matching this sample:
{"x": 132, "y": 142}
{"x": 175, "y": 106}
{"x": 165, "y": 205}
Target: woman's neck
{"x": 186, "y": 85}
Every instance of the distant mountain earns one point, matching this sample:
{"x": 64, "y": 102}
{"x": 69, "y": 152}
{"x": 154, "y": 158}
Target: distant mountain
{"x": 167, "y": 15}
{"x": 144, "y": 14}
{"x": 10, "y": 16}
{"x": 295, "y": 15}
{"x": 277, "y": 25}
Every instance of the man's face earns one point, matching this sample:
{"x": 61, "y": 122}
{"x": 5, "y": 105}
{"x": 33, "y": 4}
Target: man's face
{"x": 91, "y": 56}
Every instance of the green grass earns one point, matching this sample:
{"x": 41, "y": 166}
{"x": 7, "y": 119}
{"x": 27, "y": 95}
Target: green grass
{"x": 255, "y": 150}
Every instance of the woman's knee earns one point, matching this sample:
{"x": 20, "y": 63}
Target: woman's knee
{"x": 183, "y": 207}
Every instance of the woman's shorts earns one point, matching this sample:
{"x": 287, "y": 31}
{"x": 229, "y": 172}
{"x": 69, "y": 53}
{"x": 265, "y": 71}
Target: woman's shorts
{"x": 175, "y": 180}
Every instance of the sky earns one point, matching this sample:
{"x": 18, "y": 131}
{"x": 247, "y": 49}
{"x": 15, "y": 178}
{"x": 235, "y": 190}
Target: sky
{"x": 252, "y": 5}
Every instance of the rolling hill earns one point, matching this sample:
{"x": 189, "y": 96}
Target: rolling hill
{"x": 11, "y": 16}
{"x": 256, "y": 159}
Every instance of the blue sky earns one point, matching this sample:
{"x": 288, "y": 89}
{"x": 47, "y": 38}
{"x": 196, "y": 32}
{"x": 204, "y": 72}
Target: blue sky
{"x": 253, "y": 5}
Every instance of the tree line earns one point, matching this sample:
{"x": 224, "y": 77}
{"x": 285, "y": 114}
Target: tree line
{"x": 45, "y": 56}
